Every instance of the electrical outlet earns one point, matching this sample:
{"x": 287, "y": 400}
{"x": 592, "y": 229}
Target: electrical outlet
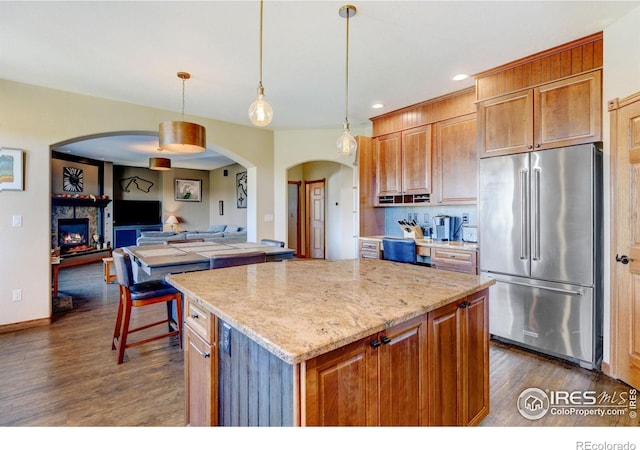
{"x": 17, "y": 295}
{"x": 465, "y": 218}
{"x": 226, "y": 338}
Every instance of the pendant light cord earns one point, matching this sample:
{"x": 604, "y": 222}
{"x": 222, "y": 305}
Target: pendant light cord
{"x": 261, "y": 9}
{"x": 346, "y": 101}
{"x": 183, "y": 99}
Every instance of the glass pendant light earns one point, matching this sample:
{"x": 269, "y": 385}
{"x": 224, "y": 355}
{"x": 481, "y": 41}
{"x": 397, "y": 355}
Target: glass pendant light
{"x": 260, "y": 112}
{"x": 346, "y": 144}
{"x": 181, "y": 136}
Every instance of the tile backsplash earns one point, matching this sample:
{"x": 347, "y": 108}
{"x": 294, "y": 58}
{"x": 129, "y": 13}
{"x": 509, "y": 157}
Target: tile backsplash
{"x": 423, "y": 215}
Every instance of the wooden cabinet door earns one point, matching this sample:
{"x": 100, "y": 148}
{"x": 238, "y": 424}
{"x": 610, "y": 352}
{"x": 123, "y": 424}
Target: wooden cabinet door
{"x": 389, "y": 160}
{"x": 341, "y": 387}
{"x": 569, "y": 112}
{"x": 404, "y": 374}
{"x": 444, "y": 357}
{"x": 474, "y": 364}
{"x": 200, "y": 378}
{"x": 505, "y": 124}
{"x": 416, "y": 160}
{"x": 456, "y": 161}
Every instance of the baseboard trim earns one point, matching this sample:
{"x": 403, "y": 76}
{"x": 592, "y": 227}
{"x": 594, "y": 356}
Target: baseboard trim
{"x": 24, "y": 325}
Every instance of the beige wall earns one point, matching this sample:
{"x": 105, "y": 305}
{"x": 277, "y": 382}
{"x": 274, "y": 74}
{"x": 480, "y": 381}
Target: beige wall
{"x": 223, "y": 188}
{"x": 309, "y": 147}
{"x": 33, "y": 118}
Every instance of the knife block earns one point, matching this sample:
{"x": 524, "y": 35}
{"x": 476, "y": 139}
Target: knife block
{"x": 412, "y": 232}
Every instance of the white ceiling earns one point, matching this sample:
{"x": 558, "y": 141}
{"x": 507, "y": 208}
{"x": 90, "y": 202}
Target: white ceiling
{"x": 401, "y": 53}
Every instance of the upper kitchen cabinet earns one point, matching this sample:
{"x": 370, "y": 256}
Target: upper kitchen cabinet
{"x": 404, "y": 147}
{"x": 551, "y": 99}
{"x": 456, "y": 161}
{"x": 404, "y": 165}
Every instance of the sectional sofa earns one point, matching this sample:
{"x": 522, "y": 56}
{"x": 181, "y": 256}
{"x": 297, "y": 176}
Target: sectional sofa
{"x": 216, "y": 233}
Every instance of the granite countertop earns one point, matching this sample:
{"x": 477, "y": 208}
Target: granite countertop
{"x": 299, "y": 309}
{"x": 431, "y": 243}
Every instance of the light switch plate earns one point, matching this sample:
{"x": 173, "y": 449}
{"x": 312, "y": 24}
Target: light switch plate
{"x": 17, "y": 221}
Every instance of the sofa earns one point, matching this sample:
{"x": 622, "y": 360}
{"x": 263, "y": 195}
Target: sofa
{"x": 215, "y": 233}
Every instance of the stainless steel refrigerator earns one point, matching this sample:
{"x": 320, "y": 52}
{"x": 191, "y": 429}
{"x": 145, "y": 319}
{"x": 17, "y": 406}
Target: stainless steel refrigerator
{"x": 540, "y": 238}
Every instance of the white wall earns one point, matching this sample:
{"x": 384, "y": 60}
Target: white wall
{"x": 294, "y": 147}
{"x": 33, "y": 118}
{"x": 621, "y": 79}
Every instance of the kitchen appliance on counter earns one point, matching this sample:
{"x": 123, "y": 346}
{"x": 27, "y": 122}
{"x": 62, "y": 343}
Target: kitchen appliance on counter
{"x": 469, "y": 233}
{"x": 540, "y": 226}
{"x": 445, "y": 228}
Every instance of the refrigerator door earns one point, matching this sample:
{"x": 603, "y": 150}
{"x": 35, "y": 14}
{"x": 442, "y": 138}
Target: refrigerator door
{"x": 503, "y": 214}
{"x": 554, "y": 318}
{"x": 562, "y": 215}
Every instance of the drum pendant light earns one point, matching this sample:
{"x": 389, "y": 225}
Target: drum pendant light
{"x": 159, "y": 164}
{"x": 346, "y": 144}
{"x": 181, "y": 136}
{"x": 260, "y": 112}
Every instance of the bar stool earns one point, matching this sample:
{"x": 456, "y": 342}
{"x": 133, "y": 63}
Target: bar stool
{"x": 141, "y": 294}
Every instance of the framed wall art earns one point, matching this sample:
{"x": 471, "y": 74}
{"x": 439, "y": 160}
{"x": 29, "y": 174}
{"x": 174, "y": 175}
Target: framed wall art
{"x": 11, "y": 169}
{"x": 241, "y": 189}
{"x": 188, "y": 190}
{"x": 72, "y": 179}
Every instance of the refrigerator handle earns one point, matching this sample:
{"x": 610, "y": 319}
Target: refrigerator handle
{"x": 524, "y": 211}
{"x": 579, "y": 292}
{"x": 535, "y": 222}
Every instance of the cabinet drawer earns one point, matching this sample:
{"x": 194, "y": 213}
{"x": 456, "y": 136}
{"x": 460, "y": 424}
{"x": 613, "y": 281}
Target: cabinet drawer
{"x": 200, "y": 321}
{"x": 423, "y": 251}
{"x": 369, "y": 254}
{"x": 369, "y": 249}
{"x": 455, "y": 260}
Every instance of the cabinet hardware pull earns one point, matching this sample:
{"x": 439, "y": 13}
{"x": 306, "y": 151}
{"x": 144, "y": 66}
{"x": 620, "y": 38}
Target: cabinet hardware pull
{"x": 529, "y": 146}
{"x": 375, "y": 343}
{"x": 463, "y": 305}
{"x": 204, "y": 355}
{"x": 194, "y": 316}
{"x": 386, "y": 340}
{"x": 624, "y": 259}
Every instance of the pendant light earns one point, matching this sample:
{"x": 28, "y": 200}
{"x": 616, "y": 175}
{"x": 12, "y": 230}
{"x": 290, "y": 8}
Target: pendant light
{"x": 181, "y": 136}
{"x": 159, "y": 164}
{"x": 260, "y": 112}
{"x": 346, "y": 144}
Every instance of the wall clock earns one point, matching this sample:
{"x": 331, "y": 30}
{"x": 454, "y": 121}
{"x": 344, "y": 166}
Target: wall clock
{"x": 72, "y": 179}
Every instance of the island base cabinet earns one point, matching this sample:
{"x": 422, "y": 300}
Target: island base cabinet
{"x": 459, "y": 362}
{"x": 379, "y": 380}
{"x": 200, "y": 377}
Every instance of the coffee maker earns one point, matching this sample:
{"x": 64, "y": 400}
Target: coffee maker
{"x": 444, "y": 228}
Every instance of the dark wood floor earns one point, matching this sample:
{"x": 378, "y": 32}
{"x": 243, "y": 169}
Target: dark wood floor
{"x": 65, "y": 374}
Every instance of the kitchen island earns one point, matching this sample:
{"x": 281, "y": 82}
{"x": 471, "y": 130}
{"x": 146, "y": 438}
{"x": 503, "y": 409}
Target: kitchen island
{"x": 349, "y": 342}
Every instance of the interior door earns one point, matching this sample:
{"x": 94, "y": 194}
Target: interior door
{"x": 625, "y": 242}
{"x": 316, "y": 219}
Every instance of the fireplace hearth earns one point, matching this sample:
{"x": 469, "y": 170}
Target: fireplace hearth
{"x": 73, "y": 235}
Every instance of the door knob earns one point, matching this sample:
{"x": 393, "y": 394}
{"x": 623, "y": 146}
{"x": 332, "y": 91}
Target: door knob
{"x": 624, "y": 259}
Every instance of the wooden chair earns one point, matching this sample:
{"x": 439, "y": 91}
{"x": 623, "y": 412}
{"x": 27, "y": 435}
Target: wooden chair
{"x": 239, "y": 259}
{"x": 141, "y": 294}
{"x": 400, "y": 250}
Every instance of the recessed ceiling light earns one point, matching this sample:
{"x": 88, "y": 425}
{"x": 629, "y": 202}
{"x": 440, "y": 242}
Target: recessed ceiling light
{"x": 460, "y": 77}
{"x": 377, "y": 105}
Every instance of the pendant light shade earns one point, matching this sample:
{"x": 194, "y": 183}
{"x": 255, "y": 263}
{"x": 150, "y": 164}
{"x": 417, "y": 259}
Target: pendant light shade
{"x": 159, "y": 164}
{"x": 346, "y": 144}
{"x": 260, "y": 112}
{"x": 181, "y": 136}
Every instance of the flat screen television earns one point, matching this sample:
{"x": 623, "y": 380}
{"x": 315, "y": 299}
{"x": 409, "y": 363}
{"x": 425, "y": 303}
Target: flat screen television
{"x": 137, "y": 212}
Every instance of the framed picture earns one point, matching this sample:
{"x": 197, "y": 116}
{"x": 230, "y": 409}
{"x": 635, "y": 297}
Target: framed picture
{"x": 188, "y": 190}
{"x": 241, "y": 189}
{"x": 11, "y": 170}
